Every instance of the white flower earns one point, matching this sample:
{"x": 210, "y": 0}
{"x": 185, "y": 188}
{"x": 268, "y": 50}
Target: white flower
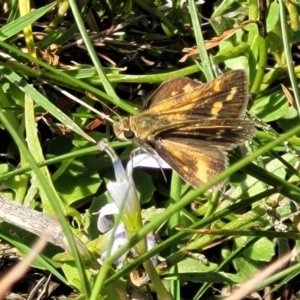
{"x": 125, "y": 202}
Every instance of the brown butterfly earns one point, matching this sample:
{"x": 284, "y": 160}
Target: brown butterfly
{"x": 193, "y": 125}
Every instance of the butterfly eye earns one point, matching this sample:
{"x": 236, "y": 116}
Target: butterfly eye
{"x": 129, "y": 134}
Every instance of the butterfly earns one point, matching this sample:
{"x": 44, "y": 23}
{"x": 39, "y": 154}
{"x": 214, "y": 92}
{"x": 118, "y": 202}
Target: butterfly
{"x": 191, "y": 125}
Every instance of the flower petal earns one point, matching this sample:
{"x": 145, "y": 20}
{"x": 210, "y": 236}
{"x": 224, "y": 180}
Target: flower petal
{"x": 104, "y": 224}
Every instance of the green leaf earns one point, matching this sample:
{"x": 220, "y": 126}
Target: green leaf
{"x": 246, "y": 185}
{"x": 222, "y": 7}
{"x": 190, "y": 265}
{"x": 276, "y": 167}
{"x": 92, "y": 215}
{"x": 71, "y": 273}
{"x": 271, "y": 107}
{"x": 12, "y": 183}
{"x": 262, "y": 250}
{"x": 221, "y": 24}
{"x": 254, "y": 257}
{"x": 273, "y": 16}
{"x": 231, "y": 51}
{"x": 144, "y": 185}
{"x": 290, "y": 119}
{"x": 76, "y": 183}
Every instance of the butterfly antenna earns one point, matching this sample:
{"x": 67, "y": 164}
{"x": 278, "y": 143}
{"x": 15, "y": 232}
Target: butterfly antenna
{"x": 93, "y": 97}
{"x": 77, "y": 100}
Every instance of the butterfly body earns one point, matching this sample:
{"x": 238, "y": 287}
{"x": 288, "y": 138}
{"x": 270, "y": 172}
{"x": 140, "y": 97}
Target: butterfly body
{"x": 193, "y": 125}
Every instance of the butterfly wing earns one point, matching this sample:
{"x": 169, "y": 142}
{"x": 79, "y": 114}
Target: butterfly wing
{"x": 225, "y": 96}
{"x": 222, "y": 98}
{"x": 172, "y": 88}
{"x": 196, "y": 163}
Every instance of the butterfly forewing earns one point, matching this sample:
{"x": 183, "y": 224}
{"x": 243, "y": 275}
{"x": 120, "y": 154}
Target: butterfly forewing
{"x": 224, "y": 97}
{"x": 172, "y": 88}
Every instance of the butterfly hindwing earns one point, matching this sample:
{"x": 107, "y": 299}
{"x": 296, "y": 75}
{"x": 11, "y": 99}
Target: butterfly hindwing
{"x": 195, "y": 163}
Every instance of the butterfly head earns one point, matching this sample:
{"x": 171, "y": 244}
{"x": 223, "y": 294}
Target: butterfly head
{"x": 122, "y": 130}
